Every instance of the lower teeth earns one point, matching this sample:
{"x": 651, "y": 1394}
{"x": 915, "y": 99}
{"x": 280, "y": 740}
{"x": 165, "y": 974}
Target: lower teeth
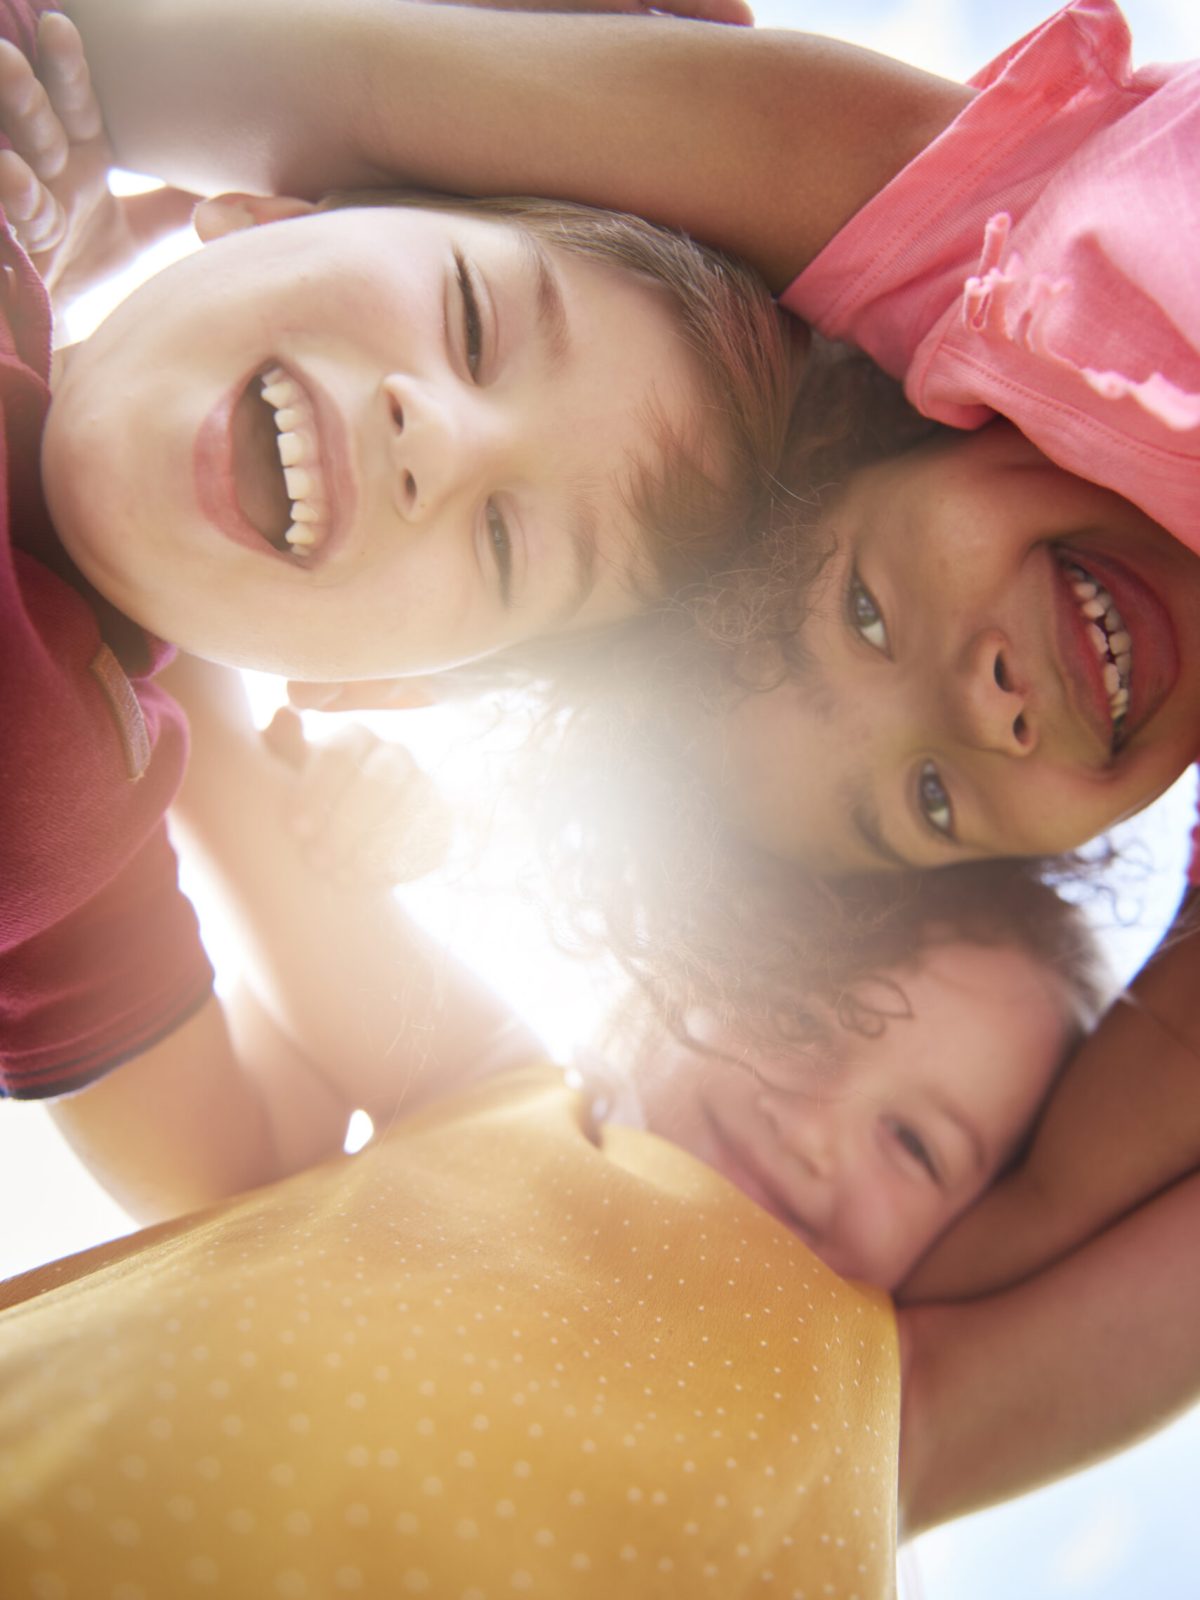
{"x": 1113, "y": 641}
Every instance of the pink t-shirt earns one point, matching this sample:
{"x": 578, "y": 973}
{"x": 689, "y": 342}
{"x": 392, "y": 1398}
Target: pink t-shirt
{"x": 1039, "y": 260}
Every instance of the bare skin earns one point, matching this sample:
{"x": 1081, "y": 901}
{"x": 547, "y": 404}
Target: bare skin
{"x": 793, "y": 132}
{"x": 552, "y": 95}
{"x": 1122, "y": 1127}
{"x": 998, "y": 1392}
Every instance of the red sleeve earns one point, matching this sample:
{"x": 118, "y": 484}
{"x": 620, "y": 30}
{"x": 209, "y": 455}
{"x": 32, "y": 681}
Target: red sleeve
{"x": 100, "y": 954}
{"x": 104, "y": 984}
{"x": 18, "y": 23}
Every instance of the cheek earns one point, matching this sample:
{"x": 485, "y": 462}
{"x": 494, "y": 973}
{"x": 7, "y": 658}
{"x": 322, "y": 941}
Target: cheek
{"x": 1052, "y": 809}
{"x": 672, "y": 1093}
{"x": 74, "y": 456}
{"x": 885, "y": 1226}
{"x": 759, "y": 764}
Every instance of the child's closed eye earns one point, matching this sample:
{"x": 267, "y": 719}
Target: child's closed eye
{"x": 913, "y": 1147}
{"x": 472, "y": 318}
{"x": 497, "y": 538}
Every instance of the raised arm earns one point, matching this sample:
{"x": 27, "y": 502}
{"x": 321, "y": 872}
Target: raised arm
{"x": 344, "y": 1003}
{"x": 1123, "y": 1124}
{"x": 762, "y": 142}
{"x": 1006, "y": 1393}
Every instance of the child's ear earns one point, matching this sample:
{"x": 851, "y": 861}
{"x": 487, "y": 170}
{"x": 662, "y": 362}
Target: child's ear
{"x": 230, "y": 213}
{"x": 369, "y": 694}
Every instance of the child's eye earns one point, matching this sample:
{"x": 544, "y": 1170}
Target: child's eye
{"x": 500, "y": 544}
{"x": 933, "y": 801}
{"x": 865, "y": 616}
{"x": 911, "y": 1142}
{"x": 472, "y": 320}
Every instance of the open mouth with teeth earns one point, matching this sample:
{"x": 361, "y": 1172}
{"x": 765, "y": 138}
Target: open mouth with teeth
{"x": 277, "y": 464}
{"x": 1109, "y": 638}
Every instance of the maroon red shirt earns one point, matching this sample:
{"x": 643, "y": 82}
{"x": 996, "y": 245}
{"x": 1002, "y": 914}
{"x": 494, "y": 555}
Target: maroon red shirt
{"x": 99, "y": 951}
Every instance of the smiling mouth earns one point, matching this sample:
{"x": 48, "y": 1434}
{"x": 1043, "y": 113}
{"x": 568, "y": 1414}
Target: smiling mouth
{"x": 278, "y": 468}
{"x": 1109, "y": 637}
{"x": 742, "y": 1168}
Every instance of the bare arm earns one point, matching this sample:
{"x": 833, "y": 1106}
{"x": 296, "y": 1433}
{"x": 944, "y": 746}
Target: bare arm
{"x": 224, "y": 1103}
{"x": 1003, "y": 1394}
{"x": 762, "y": 142}
{"x": 1123, "y": 1124}
{"x": 345, "y": 1003}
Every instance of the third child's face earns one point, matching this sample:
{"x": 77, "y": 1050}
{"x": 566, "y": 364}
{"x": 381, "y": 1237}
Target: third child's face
{"x": 465, "y": 412}
{"x": 1005, "y": 660}
{"x": 870, "y": 1155}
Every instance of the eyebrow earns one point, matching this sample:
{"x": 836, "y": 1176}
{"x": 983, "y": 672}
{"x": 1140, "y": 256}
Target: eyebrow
{"x": 554, "y": 334}
{"x": 550, "y": 311}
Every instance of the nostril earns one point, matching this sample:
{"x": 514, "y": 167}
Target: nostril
{"x": 410, "y": 488}
{"x": 1021, "y": 730}
{"x": 397, "y": 411}
{"x": 1000, "y": 673}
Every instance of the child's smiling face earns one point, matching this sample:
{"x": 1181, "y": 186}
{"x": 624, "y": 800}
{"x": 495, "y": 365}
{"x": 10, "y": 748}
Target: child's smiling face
{"x": 870, "y": 1155}
{"x": 466, "y": 413}
{"x": 1003, "y": 660}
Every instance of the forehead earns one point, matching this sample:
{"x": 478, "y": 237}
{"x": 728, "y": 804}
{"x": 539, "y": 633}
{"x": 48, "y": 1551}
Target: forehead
{"x": 988, "y": 1025}
{"x": 614, "y": 400}
{"x": 625, "y": 409}
{"x": 957, "y": 978}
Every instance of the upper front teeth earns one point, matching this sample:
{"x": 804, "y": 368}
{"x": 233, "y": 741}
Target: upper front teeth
{"x": 300, "y": 457}
{"x": 1110, "y": 639}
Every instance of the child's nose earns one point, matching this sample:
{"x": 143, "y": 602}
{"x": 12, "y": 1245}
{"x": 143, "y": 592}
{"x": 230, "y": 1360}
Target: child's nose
{"x": 805, "y": 1126}
{"x": 989, "y": 700}
{"x": 430, "y": 447}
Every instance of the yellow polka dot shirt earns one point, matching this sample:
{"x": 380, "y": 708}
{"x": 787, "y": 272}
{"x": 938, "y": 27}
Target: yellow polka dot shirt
{"x": 493, "y": 1355}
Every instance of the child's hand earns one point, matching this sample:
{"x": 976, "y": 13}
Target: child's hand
{"x": 363, "y": 812}
{"x": 370, "y": 694}
{"x": 54, "y": 180}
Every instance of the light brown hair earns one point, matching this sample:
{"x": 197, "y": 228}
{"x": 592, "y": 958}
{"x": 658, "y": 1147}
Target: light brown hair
{"x": 693, "y": 512}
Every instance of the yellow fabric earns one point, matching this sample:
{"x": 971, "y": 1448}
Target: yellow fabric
{"x": 485, "y": 1358}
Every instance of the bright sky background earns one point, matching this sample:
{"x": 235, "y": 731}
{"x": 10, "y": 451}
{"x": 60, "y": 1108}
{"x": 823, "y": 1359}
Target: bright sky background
{"x": 1126, "y": 1530}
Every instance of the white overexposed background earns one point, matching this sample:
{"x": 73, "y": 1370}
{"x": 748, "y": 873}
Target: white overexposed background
{"x": 1126, "y": 1530}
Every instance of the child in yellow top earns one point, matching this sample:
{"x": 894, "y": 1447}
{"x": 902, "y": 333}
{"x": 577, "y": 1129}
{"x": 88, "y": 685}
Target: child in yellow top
{"x": 869, "y": 1144}
{"x": 495, "y": 1353}
{"x": 506, "y": 1350}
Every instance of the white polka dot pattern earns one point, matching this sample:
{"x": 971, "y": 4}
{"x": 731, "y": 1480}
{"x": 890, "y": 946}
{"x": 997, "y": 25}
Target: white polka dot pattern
{"x": 482, "y": 1359}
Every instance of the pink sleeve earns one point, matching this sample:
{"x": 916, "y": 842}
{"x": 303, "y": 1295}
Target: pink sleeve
{"x": 1038, "y": 261}
{"x": 900, "y": 265}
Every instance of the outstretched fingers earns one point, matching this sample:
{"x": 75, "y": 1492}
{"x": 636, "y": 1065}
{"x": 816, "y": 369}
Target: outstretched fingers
{"x": 43, "y": 114}
{"x": 27, "y": 117}
{"x": 63, "y": 70}
{"x": 33, "y": 213}
{"x": 362, "y": 812}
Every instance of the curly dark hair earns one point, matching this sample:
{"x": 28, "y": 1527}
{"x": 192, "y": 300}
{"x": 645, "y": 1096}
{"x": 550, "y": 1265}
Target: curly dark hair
{"x": 642, "y": 861}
